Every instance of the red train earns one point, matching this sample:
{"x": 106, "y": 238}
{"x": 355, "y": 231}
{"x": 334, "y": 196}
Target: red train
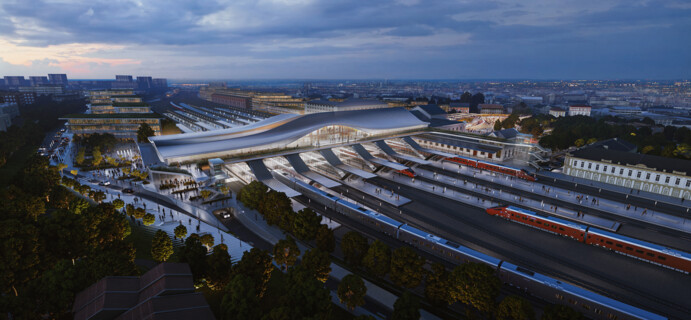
{"x": 408, "y": 172}
{"x": 666, "y": 257}
{"x": 519, "y": 173}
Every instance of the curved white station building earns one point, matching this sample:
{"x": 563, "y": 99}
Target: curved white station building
{"x": 285, "y": 132}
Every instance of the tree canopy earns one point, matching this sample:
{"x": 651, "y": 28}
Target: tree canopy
{"x": 475, "y": 285}
{"x": 515, "y": 308}
{"x": 352, "y": 291}
{"x": 318, "y": 262}
{"x": 286, "y": 252}
{"x": 144, "y": 132}
{"x": 407, "y": 267}
{"x": 354, "y": 247}
{"x": 406, "y": 307}
{"x": 325, "y": 238}
{"x": 377, "y": 260}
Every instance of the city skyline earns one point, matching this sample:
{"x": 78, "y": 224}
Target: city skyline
{"x": 323, "y": 40}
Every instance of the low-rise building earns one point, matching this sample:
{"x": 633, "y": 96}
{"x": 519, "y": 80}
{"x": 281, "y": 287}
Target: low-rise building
{"x": 557, "y": 112}
{"x": 8, "y": 111}
{"x": 491, "y": 108}
{"x": 121, "y": 125}
{"x": 579, "y": 110}
{"x": 661, "y": 175}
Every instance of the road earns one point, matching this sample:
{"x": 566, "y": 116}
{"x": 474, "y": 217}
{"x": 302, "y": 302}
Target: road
{"x": 635, "y": 282}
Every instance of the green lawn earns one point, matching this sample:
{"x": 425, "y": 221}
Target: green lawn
{"x": 15, "y": 163}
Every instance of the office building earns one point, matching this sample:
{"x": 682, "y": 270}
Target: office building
{"x": 160, "y": 83}
{"x": 44, "y": 90}
{"x": 144, "y": 83}
{"x": 15, "y": 81}
{"x": 58, "y": 79}
{"x": 118, "y": 112}
{"x": 8, "y": 111}
{"x": 123, "y": 78}
{"x": 316, "y": 106}
{"x": 661, "y": 175}
{"x": 579, "y": 110}
{"x": 40, "y": 80}
{"x": 20, "y": 98}
{"x": 232, "y": 100}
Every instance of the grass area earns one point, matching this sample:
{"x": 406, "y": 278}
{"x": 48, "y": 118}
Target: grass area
{"x": 15, "y": 163}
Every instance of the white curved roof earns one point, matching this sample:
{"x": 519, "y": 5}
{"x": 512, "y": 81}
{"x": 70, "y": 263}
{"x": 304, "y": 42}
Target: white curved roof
{"x": 283, "y": 128}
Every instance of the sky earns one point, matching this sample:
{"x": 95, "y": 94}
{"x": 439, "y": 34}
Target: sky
{"x": 347, "y": 39}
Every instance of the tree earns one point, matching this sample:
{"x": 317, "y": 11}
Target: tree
{"x": 277, "y": 210}
{"x": 515, "y": 308}
{"x": 207, "y": 240}
{"x": 98, "y": 157}
{"x": 406, "y": 267}
{"x": 304, "y": 297}
{"x": 318, "y": 262}
{"x": 205, "y": 194}
{"x": 129, "y": 209}
{"x": 437, "y": 285}
{"x": 218, "y": 267}
{"x": 79, "y": 159}
{"x": 466, "y": 97}
{"x": 647, "y": 149}
{"x": 559, "y": 312}
{"x": 378, "y": 259}
{"x": 194, "y": 253}
{"x": 161, "y": 246}
{"x": 118, "y": 204}
{"x": 497, "y": 125}
{"x": 257, "y": 265}
{"x": 286, "y": 252}
{"x": 144, "y": 132}
{"x": 475, "y": 285}
{"x": 406, "y": 307}
{"x": 354, "y": 247}
{"x": 99, "y": 196}
{"x": 104, "y": 225}
{"x": 306, "y": 224}
{"x": 240, "y": 300}
{"x": 252, "y": 194}
{"x": 180, "y": 231}
{"x": 579, "y": 142}
{"x": 591, "y": 140}
{"x": 325, "y": 238}
{"x": 139, "y": 213}
{"x": 148, "y": 219}
{"x": 352, "y": 291}
{"x": 19, "y": 249}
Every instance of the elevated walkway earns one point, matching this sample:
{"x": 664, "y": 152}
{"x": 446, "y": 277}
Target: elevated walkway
{"x": 418, "y": 147}
{"x": 333, "y": 160}
{"x": 301, "y": 167}
{"x": 391, "y": 152}
{"x": 262, "y": 173}
{"x": 369, "y": 157}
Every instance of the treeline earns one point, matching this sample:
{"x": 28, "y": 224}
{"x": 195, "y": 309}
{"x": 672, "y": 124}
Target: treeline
{"x": 666, "y": 141}
{"x": 53, "y": 244}
{"x": 35, "y": 120}
{"x": 476, "y": 286}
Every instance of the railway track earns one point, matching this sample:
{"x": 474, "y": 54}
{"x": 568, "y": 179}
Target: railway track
{"x": 655, "y": 304}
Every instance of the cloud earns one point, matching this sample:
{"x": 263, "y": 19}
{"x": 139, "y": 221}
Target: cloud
{"x": 339, "y": 38}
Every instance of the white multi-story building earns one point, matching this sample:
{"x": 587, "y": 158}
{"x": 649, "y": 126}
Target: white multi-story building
{"x": 579, "y": 110}
{"x": 557, "y": 112}
{"x": 316, "y": 106}
{"x": 661, "y": 175}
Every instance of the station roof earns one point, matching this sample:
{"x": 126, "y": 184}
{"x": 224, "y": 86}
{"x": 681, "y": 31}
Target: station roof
{"x": 283, "y": 128}
{"x": 459, "y": 142}
{"x": 347, "y": 103}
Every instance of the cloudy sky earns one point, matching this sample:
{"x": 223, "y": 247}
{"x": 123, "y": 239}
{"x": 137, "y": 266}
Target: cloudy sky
{"x": 336, "y": 39}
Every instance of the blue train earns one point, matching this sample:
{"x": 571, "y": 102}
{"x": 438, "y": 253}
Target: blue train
{"x": 590, "y": 304}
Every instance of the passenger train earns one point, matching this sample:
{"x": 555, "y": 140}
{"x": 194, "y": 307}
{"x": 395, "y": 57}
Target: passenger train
{"x": 519, "y": 173}
{"x": 666, "y": 257}
{"x": 408, "y": 172}
{"x": 551, "y": 290}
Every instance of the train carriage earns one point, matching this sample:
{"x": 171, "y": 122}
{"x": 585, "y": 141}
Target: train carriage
{"x": 549, "y": 224}
{"x": 479, "y": 164}
{"x": 590, "y": 304}
{"x": 368, "y": 217}
{"x": 666, "y": 257}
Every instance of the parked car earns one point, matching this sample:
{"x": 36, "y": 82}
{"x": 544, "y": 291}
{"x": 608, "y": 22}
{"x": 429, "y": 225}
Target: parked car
{"x": 127, "y": 190}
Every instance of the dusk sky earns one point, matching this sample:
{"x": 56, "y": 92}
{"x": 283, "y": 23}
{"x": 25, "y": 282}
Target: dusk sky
{"x": 237, "y": 39}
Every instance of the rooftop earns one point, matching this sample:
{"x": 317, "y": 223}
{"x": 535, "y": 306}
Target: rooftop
{"x": 111, "y": 116}
{"x": 615, "y": 144}
{"x": 347, "y": 103}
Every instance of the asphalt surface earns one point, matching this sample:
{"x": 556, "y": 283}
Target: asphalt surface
{"x": 629, "y": 280}
{"x": 629, "y": 227}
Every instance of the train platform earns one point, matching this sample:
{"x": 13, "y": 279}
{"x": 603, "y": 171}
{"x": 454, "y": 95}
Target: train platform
{"x": 503, "y": 197}
{"x": 614, "y": 188}
{"x": 645, "y": 215}
{"x": 387, "y": 196}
